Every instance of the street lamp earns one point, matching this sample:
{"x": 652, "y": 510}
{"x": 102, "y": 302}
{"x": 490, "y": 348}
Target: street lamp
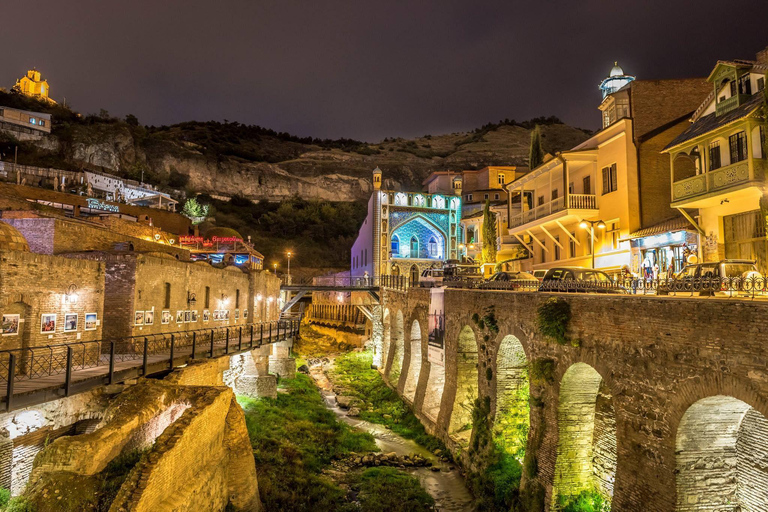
{"x": 274, "y": 265}
{"x": 584, "y": 224}
{"x": 289, "y": 262}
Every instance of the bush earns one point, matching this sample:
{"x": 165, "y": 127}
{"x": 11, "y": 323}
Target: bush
{"x": 586, "y": 501}
{"x": 553, "y": 316}
{"x": 542, "y": 371}
{"x": 5, "y": 497}
{"x": 20, "y": 504}
{"x": 384, "y": 489}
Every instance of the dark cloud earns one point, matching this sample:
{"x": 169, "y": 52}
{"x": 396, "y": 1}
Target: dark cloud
{"x": 365, "y": 69}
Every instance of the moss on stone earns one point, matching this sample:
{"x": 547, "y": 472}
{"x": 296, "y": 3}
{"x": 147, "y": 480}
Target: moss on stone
{"x": 552, "y": 318}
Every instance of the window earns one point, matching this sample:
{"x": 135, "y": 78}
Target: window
{"x": 32, "y": 120}
{"x": 745, "y": 86}
{"x": 587, "y": 185}
{"x": 570, "y": 188}
{"x": 395, "y": 244}
{"x": 714, "y": 156}
{"x": 485, "y": 196}
{"x": 614, "y": 231}
{"x": 207, "y": 297}
{"x": 557, "y": 248}
{"x": 760, "y": 87}
{"x": 496, "y": 196}
{"x": 554, "y": 194}
{"x": 432, "y": 248}
{"x": 365, "y": 258}
{"x": 469, "y": 197}
{"x": 738, "y": 145}
{"x": 501, "y": 179}
{"x": 733, "y": 88}
{"x": 540, "y": 201}
{"x": 42, "y": 123}
{"x": 237, "y": 299}
{"x": 572, "y": 246}
{"x": 542, "y": 256}
{"x": 609, "y": 179}
{"x": 167, "y": 301}
{"x": 414, "y": 247}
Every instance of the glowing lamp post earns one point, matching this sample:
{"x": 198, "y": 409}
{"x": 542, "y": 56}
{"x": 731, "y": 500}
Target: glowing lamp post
{"x": 289, "y": 266}
{"x": 584, "y": 224}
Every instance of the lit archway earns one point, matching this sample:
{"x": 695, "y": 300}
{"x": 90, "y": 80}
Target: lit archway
{"x": 397, "y": 340}
{"x": 466, "y": 385}
{"x": 414, "y": 365}
{"x": 586, "y": 445}
{"x": 414, "y": 275}
{"x": 722, "y": 453}
{"x": 512, "y": 420}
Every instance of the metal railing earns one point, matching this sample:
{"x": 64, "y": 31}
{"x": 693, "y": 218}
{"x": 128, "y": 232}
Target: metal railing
{"x": 36, "y": 363}
{"x": 362, "y": 282}
{"x": 728, "y": 287}
{"x": 575, "y": 201}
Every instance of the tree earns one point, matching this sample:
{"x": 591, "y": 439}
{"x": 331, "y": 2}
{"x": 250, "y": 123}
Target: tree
{"x": 132, "y": 120}
{"x": 489, "y": 234}
{"x": 195, "y": 211}
{"x": 535, "y": 154}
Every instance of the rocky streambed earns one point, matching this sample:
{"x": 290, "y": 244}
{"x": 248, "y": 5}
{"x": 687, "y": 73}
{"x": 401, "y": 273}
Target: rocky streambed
{"x": 436, "y": 473}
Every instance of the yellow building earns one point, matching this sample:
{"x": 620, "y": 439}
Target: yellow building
{"x": 33, "y": 85}
{"x": 719, "y": 163}
{"x": 610, "y": 184}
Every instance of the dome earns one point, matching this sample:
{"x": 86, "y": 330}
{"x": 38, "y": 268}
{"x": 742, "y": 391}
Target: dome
{"x": 616, "y": 70}
{"x": 222, "y": 233}
{"x": 11, "y": 239}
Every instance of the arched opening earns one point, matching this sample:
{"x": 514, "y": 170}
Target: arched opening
{"x": 722, "y": 451}
{"x": 395, "y": 270}
{"x": 397, "y": 340}
{"x": 586, "y": 444}
{"x": 438, "y": 202}
{"x": 395, "y": 245}
{"x": 432, "y": 248}
{"x": 414, "y": 274}
{"x": 512, "y": 420}
{"x": 684, "y": 167}
{"x": 414, "y": 247}
{"x": 466, "y": 386}
{"x": 414, "y": 366}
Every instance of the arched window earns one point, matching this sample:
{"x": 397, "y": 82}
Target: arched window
{"x": 414, "y": 247}
{"x": 455, "y": 203}
{"x": 418, "y": 200}
{"x": 438, "y": 202}
{"x": 395, "y": 245}
{"x": 400, "y": 199}
{"x": 414, "y": 274}
{"x": 432, "y": 246}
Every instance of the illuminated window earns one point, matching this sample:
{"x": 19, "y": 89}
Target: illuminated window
{"x": 418, "y": 200}
{"x": 400, "y": 199}
{"x": 501, "y": 179}
{"x": 557, "y": 248}
{"x": 438, "y": 202}
{"x": 738, "y": 145}
{"x": 414, "y": 247}
{"x": 207, "y": 297}
{"x": 614, "y": 234}
{"x": 572, "y": 246}
{"x": 455, "y": 203}
{"x": 609, "y": 179}
{"x": 432, "y": 247}
{"x": 237, "y": 299}
{"x": 714, "y": 156}
{"x": 395, "y": 245}
{"x": 42, "y": 123}
{"x": 32, "y": 120}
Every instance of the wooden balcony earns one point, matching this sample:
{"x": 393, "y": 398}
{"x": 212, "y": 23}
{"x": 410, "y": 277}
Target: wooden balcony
{"x": 568, "y": 202}
{"x": 725, "y": 179}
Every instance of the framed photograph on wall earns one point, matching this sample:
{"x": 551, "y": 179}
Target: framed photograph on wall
{"x": 165, "y": 317}
{"x": 149, "y": 317}
{"x": 48, "y": 323}
{"x": 194, "y": 315}
{"x": 138, "y": 318}
{"x": 90, "y": 321}
{"x": 179, "y": 317}
{"x": 10, "y": 326}
{"x": 206, "y": 315}
{"x": 216, "y": 315}
{"x": 187, "y": 316}
{"x": 226, "y": 314}
{"x": 237, "y": 314}
{"x": 70, "y": 322}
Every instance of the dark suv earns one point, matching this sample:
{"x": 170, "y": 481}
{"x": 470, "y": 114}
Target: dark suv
{"x": 579, "y": 279}
{"x": 721, "y": 278}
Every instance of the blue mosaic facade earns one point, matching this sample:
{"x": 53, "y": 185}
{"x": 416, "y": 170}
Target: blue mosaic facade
{"x": 417, "y": 238}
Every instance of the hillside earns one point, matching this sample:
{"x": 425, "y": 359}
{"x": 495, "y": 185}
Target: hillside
{"x": 227, "y": 159}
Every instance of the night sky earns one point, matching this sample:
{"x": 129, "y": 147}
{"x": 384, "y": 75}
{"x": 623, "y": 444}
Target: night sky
{"x": 361, "y": 69}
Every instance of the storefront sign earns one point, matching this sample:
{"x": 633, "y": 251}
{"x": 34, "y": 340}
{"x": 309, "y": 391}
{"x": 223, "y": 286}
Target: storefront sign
{"x": 662, "y": 240}
{"x": 209, "y": 241}
{"x": 99, "y": 205}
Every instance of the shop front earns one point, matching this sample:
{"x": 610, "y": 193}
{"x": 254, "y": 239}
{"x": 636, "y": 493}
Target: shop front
{"x": 661, "y": 251}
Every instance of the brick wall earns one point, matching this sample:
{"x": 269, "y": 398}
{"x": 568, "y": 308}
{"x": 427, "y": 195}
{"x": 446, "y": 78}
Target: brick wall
{"x": 36, "y": 284}
{"x": 655, "y": 357}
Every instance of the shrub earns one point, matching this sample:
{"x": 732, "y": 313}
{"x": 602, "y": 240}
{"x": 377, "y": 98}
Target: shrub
{"x": 586, "y": 501}
{"x": 5, "y": 497}
{"x": 542, "y": 371}
{"x": 553, "y": 316}
{"x": 20, "y": 504}
{"x": 384, "y": 489}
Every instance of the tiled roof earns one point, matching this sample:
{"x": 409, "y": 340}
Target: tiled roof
{"x": 713, "y": 121}
{"x": 667, "y": 226}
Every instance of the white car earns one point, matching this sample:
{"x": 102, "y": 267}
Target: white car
{"x": 431, "y": 277}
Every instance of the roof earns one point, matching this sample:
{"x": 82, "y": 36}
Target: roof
{"x": 676, "y": 224}
{"x": 713, "y": 121}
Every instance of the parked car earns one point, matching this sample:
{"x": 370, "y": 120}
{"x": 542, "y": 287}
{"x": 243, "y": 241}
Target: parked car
{"x": 539, "y": 274}
{"x": 431, "y": 277}
{"x": 510, "y": 281}
{"x": 579, "y": 279}
{"x": 722, "y": 278}
{"x": 457, "y": 272}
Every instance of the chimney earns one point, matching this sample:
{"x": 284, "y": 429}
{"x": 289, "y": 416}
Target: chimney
{"x": 762, "y": 56}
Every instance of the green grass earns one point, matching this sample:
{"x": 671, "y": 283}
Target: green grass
{"x": 381, "y": 404}
{"x": 384, "y": 489}
{"x": 586, "y": 501}
{"x": 294, "y": 437}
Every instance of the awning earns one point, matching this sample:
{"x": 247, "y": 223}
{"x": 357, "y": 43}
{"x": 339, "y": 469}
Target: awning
{"x": 668, "y": 226}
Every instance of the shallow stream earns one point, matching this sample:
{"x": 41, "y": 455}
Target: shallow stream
{"x": 446, "y": 486}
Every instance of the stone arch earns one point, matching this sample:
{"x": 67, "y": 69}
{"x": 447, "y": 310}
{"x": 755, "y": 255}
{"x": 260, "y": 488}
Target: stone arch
{"x": 435, "y": 382}
{"x": 414, "y": 274}
{"x": 721, "y": 451}
{"x": 414, "y": 364}
{"x": 586, "y": 444}
{"x": 466, "y": 385}
{"x": 397, "y": 342}
{"x": 512, "y": 417}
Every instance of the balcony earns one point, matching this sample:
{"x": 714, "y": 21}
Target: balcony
{"x": 725, "y": 179}
{"x": 731, "y": 103}
{"x": 568, "y": 202}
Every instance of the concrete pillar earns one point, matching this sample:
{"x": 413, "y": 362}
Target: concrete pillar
{"x": 249, "y": 374}
{"x": 280, "y": 362}
{"x": 377, "y": 336}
